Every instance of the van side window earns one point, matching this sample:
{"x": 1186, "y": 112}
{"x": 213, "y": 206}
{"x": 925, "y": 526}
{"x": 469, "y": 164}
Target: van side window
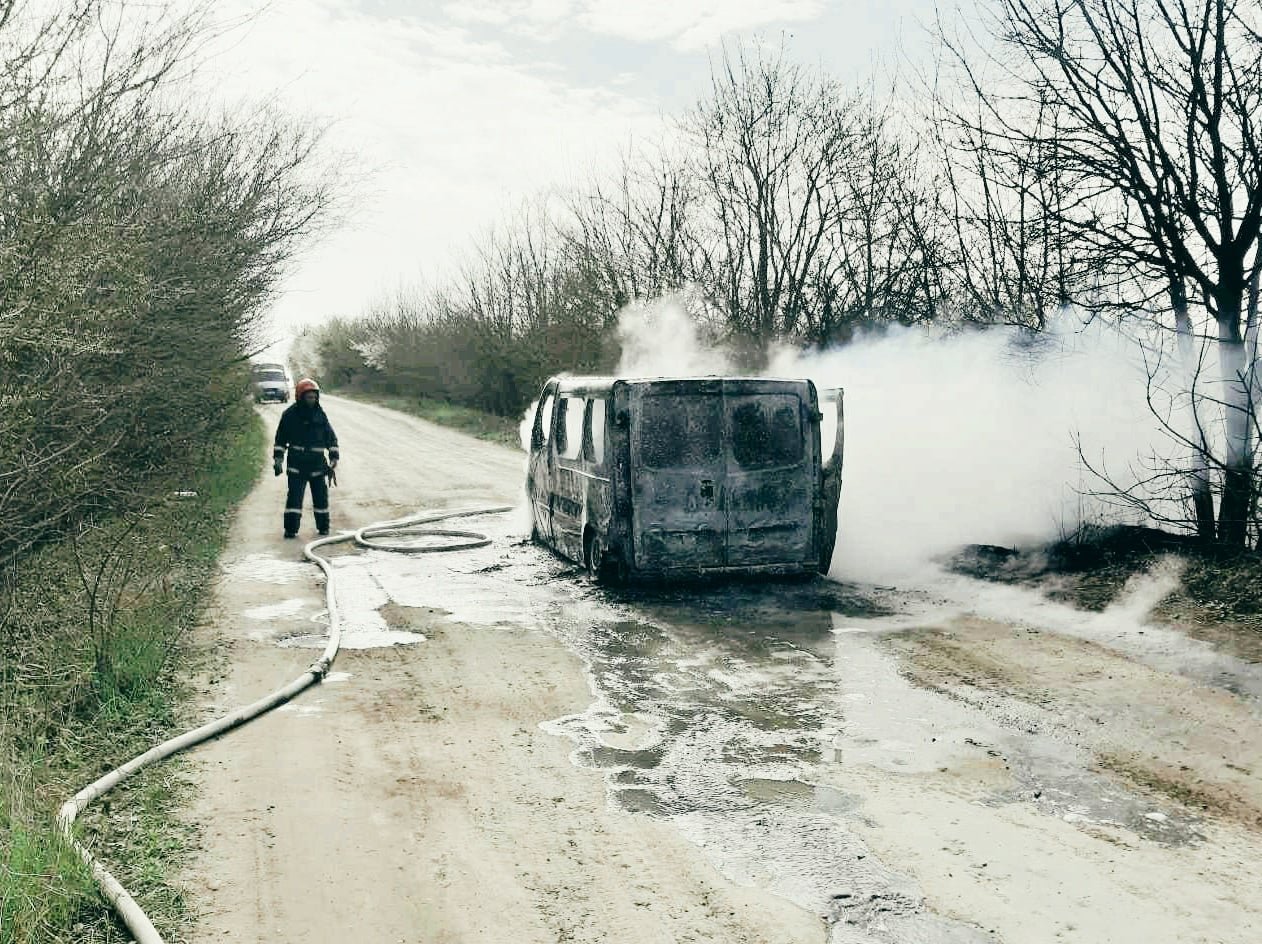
{"x": 766, "y": 432}
{"x": 594, "y": 434}
{"x": 569, "y": 427}
{"x": 543, "y": 422}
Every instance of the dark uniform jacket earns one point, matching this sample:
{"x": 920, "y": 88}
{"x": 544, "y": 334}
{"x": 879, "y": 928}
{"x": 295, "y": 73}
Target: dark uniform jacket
{"x": 305, "y": 432}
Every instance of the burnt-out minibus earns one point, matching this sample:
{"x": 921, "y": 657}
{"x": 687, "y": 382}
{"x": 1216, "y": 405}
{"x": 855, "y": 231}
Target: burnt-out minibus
{"x": 685, "y": 477}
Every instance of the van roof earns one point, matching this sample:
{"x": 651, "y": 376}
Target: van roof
{"x": 595, "y": 384}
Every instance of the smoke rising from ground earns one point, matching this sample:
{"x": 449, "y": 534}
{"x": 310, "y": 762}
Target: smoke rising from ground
{"x": 660, "y": 339}
{"x": 973, "y": 439}
{"x": 969, "y": 438}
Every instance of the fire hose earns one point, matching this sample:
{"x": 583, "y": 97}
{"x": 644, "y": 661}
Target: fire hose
{"x": 406, "y": 533}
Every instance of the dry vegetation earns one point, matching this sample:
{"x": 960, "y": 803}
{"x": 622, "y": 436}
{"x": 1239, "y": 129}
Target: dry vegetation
{"x": 138, "y": 240}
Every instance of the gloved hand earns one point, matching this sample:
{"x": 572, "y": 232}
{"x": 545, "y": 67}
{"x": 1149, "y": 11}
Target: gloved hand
{"x": 275, "y": 468}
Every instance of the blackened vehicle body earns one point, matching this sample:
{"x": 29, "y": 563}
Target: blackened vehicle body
{"x": 684, "y": 477}
{"x": 268, "y": 382}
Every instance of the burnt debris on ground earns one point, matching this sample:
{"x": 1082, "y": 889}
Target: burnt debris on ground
{"x": 1090, "y": 569}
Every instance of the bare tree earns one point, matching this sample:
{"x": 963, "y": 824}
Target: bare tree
{"x": 766, "y": 146}
{"x": 634, "y": 235}
{"x": 1006, "y": 256}
{"x": 1151, "y": 109}
{"x": 880, "y": 255}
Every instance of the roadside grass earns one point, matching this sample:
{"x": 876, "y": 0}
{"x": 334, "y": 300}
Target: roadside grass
{"x": 497, "y": 429}
{"x": 94, "y": 662}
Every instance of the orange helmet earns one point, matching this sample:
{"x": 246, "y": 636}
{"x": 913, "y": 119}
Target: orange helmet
{"x": 303, "y": 386}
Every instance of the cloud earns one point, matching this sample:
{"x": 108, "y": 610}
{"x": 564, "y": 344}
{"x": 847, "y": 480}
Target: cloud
{"x": 449, "y": 128}
{"x": 687, "y": 25}
{"x": 521, "y": 14}
{"x": 692, "y": 24}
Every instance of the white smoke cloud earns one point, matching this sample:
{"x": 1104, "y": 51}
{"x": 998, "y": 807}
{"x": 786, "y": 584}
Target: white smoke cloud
{"x": 660, "y": 338}
{"x": 972, "y": 439}
{"x": 526, "y": 426}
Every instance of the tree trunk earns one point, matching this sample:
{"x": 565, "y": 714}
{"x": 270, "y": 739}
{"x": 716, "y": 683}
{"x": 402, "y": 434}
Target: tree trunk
{"x": 1233, "y": 510}
{"x": 1198, "y": 476}
{"x": 1254, "y": 388}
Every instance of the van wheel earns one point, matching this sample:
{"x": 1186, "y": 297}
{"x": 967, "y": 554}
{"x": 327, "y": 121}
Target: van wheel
{"x": 594, "y": 556}
{"x": 604, "y": 567}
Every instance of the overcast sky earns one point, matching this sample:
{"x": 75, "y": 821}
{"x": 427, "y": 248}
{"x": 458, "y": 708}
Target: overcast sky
{"x": 458, "y": 110}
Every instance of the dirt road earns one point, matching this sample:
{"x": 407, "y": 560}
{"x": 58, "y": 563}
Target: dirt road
{"x": 504, "y": 752}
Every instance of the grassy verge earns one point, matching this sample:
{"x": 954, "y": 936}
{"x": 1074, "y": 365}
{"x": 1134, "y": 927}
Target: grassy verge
{"x": 93, "y": 667}
{"x": 488, "y": 426}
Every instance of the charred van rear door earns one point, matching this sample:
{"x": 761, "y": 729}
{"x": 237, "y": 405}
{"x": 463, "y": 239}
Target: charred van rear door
{"x": 540, "y": 466}
{"x": 771, "y": 477}
{"x": 677, "y": 472}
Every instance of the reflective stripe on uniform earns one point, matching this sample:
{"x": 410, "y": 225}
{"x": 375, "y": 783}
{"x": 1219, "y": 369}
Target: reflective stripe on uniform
{"x": 320, "y": 511}
{"x": 293, "y": 472}
{"x": 293, "y": 511}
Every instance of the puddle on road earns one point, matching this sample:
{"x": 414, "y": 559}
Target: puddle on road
{"x": 723, "y": 703}
{"x": 482, "y": 586}
{"x": 268, "y": 569}
{"x": 275, "y": 611}
{"x": 798, "y": 795}
{"x": 360, "y": 596}
{"x": 362, "y": 628}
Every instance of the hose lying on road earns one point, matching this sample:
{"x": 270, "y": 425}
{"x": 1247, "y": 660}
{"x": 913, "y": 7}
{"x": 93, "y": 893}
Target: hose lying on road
{"x": 413, "y": 527}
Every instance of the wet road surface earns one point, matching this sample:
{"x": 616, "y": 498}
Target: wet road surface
{"x": 757, "y": 719}
{"x": 945, "y": 762}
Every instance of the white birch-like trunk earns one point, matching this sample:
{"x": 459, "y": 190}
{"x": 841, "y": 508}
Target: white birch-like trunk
{"x": 1238, "y": 460}
{"x": 1253, "y": 370}
{"x": 1199, "y": 474}
{"x": 1253, "y": 383}
{"x": 1236, "y": 390}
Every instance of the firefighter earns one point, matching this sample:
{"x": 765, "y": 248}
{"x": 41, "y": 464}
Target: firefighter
{"x": 305, "y": 432}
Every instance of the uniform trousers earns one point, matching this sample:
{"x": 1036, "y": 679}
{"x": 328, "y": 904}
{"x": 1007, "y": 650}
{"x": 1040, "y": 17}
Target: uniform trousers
{"x": 298, "y": 482}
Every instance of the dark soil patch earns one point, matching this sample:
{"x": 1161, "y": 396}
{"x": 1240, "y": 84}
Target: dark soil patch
{"x": 1183, "y": 786}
